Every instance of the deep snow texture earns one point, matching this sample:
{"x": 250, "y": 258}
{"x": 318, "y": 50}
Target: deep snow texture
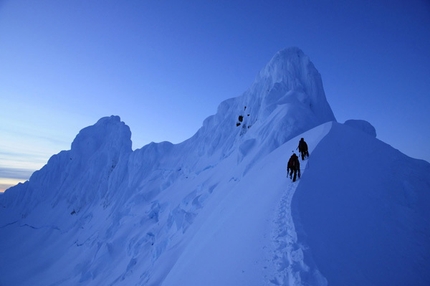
{"x": 216, "y": 209}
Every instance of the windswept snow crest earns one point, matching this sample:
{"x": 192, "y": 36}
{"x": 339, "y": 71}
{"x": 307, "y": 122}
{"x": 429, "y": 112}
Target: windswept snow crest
{"x": 215, "y": 209}
{"x": 363, "y": 210}
{"x": 362, "y": 125}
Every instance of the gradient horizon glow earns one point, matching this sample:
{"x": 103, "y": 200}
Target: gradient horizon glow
{"x": 164, "y": 67}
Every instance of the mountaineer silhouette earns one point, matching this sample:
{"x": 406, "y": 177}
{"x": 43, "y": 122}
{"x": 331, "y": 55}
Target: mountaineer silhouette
{"x": 303, "y": 148}
{"x": 293, "y": 167}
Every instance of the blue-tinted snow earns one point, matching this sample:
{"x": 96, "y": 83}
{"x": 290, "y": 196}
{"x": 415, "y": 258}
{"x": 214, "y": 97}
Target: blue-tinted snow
{"x": 218, "y": 208}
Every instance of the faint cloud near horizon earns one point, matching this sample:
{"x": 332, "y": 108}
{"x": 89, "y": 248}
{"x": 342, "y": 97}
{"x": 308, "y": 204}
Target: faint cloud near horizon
{"x": 10, "y": 177}
{"x": 15, "y": 173}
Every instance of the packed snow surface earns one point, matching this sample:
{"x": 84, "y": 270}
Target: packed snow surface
{"x": 218, "y": 209}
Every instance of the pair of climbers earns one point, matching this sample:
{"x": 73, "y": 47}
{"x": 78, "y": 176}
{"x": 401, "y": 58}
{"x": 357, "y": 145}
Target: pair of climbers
{"x": 293, "y": 166}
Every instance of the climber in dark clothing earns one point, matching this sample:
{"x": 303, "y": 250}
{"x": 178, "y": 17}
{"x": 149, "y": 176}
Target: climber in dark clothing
{"x": 293, "y": 167}
{"x": 303, "y": 148}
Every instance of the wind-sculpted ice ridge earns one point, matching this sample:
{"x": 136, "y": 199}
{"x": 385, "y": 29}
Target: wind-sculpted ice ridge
{"x": 105, "y": 197}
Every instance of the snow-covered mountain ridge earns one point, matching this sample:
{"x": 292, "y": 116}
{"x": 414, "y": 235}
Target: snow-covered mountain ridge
{"x": 217, "y": 209}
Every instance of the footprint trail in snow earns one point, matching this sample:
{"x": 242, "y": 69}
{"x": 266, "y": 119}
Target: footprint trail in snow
{"x": 288, "y": 253}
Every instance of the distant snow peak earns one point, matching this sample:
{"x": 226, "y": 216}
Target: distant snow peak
{"x": 108, "y": 132}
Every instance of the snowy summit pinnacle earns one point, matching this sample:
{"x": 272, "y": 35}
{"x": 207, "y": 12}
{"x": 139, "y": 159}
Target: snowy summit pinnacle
{"x": 286, "y": 98}
{"x": 291, "y": 71}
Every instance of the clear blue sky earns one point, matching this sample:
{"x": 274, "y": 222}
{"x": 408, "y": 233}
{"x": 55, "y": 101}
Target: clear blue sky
{"x": 164, "y": 66}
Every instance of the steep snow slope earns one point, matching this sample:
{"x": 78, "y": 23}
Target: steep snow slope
{"x": 248, "y": 237}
